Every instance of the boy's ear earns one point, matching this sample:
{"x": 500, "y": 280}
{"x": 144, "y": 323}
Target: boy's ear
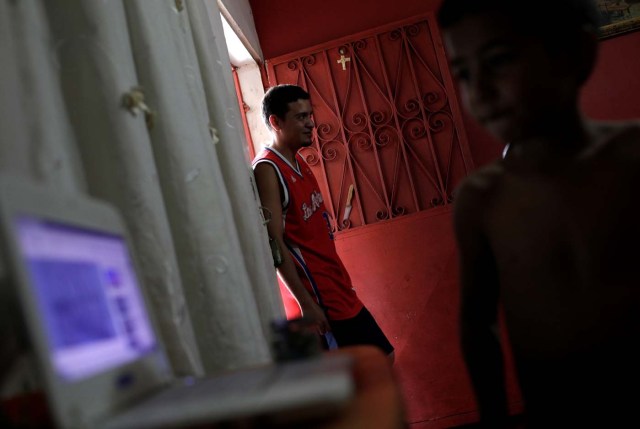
{"x": 275, "y": 122}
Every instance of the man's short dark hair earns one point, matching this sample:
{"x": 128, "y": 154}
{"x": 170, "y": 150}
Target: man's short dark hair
{"x": 277, "y": 98}
{"x": 551, "y": 20}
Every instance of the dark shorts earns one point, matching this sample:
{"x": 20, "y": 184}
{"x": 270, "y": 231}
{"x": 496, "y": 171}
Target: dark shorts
{"x": 361, "y": 329}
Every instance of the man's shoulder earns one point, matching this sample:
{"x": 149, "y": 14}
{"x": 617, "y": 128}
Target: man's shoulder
{"x": 263, "y": 154}
{"x": 267, "y": 160}
{"x": 265, "y": 167}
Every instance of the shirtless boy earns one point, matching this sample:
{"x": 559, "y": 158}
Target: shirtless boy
{"x": 549, "y": 235}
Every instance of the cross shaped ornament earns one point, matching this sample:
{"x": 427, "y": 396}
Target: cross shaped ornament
{"x": 343, "y": 60}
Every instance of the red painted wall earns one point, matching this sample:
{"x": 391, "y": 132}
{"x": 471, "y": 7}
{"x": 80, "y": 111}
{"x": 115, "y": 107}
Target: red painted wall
{"x": 613, "y": 92}
{"x": 406, "y": 270}
{"x": 286, "y": 26}
{"x": 401, "y": 297}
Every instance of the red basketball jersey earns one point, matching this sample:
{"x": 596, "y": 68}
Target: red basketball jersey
{"x": 308, "y": 237}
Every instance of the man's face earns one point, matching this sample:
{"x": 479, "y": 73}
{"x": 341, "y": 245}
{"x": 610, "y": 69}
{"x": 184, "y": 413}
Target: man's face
{"x": 507, "y": 80}
{"x": 297, "y": 126}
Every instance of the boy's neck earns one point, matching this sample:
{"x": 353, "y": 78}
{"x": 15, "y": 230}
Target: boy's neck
{"x": 558, "y": 141}
{"x": 284, "y": 150}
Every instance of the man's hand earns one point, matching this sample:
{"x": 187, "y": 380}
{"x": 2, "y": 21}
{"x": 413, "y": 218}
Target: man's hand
{"x": 314, "y": 314}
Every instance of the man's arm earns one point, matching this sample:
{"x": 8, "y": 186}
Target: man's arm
{"x": 270, "y": 198}
{"x": 479, "y": 296}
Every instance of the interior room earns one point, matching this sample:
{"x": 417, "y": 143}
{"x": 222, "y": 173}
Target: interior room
{"x": 147, "y": 105}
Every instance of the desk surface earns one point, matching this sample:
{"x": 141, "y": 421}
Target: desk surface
{"x": 377, "y": 403}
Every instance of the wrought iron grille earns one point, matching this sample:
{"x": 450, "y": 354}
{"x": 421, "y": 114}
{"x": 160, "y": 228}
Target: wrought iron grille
{"x": 387, "y": 123}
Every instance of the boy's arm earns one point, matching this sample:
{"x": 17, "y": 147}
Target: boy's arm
{"x": 479, "y": 296}
{"x": 269, "y": 191}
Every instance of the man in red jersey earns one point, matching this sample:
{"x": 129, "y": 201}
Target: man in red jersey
{"x": 310, "y": 267}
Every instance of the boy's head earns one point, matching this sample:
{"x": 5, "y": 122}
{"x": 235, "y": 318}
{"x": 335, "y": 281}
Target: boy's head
{"x": 277, "y": 98}
{"x": 519, "y": 65}
{"x": 549, "y": 19}
{"x": 286, "y": 110}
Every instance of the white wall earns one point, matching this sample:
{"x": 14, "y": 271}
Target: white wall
{"x": 252, "y": 93}
{"x": 240, "y": 17}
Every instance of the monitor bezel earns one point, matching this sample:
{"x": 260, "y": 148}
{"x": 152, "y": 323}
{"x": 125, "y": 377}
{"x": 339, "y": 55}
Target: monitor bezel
{"x": 88, "y": 400}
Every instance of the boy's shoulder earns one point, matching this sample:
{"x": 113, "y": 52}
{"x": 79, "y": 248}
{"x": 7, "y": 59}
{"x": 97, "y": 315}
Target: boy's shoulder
{"x": 483, "y": 180}
{"x": 620, "y": 141}
{"x": 475, "y": 190}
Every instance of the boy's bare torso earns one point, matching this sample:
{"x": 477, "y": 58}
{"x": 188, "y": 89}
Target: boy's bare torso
{"x": 565, "y": 240}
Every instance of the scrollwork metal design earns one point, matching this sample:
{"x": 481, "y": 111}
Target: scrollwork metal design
{"x": 359, "y": 45}
{"x": 385, "y": 123}
{"x": 325, "y": 131}
{"x": 379, "y": 118}
{"x": 382, "y": 215}
{"x": 310, "y": 156}
{"x": 395, "y": 34}
{"x": 309, "y": 60}
{"x": 399, "y": 211}
{"x": 410, "y": 108}
{"x": 331, "y": 150}
{"x": 344, "y": 49}
{"x": 414, "y": 129}
{"x": 435, "y": 202}
{"x": 386, "y": 135}
{"x": 360, "y": 141}
{"x": 360, "y": 122}
{"x": 433, "y": 101}
{"x": 438, "y": 121}
{"x": 412, "y": 30}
